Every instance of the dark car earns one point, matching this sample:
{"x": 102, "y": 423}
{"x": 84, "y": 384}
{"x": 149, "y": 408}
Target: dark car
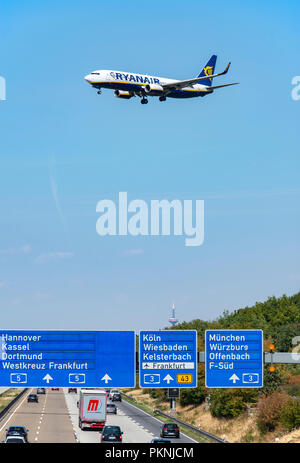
{"x": 116, "y": 397}
{"x": 54, "y": 388}
{"x": 111, "y": 408}
{"x": 41, "y": 390}
{"x": 32, "y": 398}
{"x": 161, "y": 441}
{"x": 72, "y": 389}
{"x": 17, "y": 431}
{"x": 111, "y": 434}
{"x": 170, "y": 430}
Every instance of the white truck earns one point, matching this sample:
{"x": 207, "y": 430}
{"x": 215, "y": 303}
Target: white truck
{"x": 92, "y": 408}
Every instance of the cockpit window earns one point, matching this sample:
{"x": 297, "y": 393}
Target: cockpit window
{"x": 96, "y": 73}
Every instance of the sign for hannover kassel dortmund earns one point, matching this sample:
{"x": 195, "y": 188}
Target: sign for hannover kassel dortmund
{"x": 234, "y": 358}
{"x": 64, "y": 358}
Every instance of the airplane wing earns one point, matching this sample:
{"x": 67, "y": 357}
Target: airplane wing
{"x": 186, "y": 83}
{"x": 225, "y": 85}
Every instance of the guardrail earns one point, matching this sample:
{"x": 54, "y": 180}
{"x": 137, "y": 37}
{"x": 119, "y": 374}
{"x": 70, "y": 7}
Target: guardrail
{"x": 210, "y": 436}
{"x": 128, "y": 397}
{"x": 6, "y": 409}
{"x": 206, "y": 434}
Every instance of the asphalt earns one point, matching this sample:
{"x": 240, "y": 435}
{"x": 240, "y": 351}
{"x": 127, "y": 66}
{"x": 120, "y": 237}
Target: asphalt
{"x": 54, "y": 419}
{"x": 47, "y": 421}
{"x": 137, "y": 425}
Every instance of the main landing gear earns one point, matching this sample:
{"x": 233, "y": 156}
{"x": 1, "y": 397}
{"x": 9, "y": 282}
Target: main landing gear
{"x": 144, "y": 100}
{"x": 162, "y": 98}
{"x": 99, "y": 92}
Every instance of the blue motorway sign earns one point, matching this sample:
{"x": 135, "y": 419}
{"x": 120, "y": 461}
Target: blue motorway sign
{"x": 168, "y": 359}
{"x": 234, "y": 358}
{"x": 67, "y": 358}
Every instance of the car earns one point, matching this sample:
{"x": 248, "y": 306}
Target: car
{"x": 116, "y": 397}
{"x": 170, "y": 430}
{"x": 54, "y": 388}
{"x": 111, "y": 434}
{"x": 112, "y": 392}
{"x": 41, "y": 390}
{"x": 160, "y": 441}
{"x": 72, "y": 389}
{"x": 32, "y": 398}
{"x": 15, "y": 440}
{"x": 17, "y": 431}
{"x": 111, "y": 408}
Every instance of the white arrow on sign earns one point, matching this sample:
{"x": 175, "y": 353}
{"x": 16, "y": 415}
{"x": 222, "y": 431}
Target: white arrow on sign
{"x": 106, "y": 378}
{"x": 168, "y": 378}
{"x": 234, "y": 378}
{"x": 48, "y": 378}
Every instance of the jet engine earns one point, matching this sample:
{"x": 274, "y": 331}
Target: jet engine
{"x": 123, "y": 94}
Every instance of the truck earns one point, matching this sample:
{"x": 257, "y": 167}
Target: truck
{"x": 92, "y": 408}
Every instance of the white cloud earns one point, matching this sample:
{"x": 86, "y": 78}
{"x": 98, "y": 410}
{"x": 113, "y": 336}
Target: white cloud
{"x": 53, "y": 257}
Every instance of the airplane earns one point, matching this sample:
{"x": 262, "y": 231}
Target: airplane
{"x": 127, "y": 85}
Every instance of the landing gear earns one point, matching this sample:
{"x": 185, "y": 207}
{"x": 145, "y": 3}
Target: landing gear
{"x": 99, "y": 92}
{"x": 162, "y": 98}
{"x": 144, "y": 100}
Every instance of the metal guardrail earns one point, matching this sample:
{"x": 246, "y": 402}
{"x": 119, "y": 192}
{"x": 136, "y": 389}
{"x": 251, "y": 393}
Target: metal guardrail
{"x": 206, "y": 434}
{"x": 10, "y": 405}
{"x": 128, "y": 397}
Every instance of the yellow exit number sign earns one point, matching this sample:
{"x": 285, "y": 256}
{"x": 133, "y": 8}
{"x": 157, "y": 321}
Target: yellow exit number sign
{"x": 184, "y": 379}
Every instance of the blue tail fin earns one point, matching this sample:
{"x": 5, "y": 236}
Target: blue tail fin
{"x": 208, "y": 70}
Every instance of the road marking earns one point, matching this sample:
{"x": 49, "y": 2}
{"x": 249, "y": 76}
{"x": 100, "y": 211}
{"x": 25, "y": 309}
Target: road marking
{"x": 10, "y": 417}
{"x": 161, "y": 422}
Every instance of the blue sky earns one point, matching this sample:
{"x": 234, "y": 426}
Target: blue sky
{"x": 63, "y": 148}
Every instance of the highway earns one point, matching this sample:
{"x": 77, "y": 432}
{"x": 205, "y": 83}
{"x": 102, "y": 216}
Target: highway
{"x": 137, "y": 425}
{"x": 47, "y": 421}
{"x": 54, "y": 419}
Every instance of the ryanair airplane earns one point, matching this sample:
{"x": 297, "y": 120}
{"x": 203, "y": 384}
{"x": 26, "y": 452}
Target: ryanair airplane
{"x": 126, "y": 85}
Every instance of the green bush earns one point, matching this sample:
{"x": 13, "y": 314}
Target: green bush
{"x": 226, "y": 404}
{"x": 290, "y": 415}
{"x": 193, "y": 396}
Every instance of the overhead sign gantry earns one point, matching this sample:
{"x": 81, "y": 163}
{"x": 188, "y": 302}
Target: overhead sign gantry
{"x": 65, "y": 358}
{"x": 168, "y": 358}
{"x": 234, "y": 358}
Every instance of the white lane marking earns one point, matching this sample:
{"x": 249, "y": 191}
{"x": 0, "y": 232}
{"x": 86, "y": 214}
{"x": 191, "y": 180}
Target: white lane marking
{"x": 159, "y": 421}
{"x": 10, "y": 417}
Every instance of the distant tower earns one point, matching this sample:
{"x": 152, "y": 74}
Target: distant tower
{"x": 173, "y": 320}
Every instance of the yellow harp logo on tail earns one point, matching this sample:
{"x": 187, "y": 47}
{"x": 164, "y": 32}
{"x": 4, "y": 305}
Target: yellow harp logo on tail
{"x": 208, "y": 71}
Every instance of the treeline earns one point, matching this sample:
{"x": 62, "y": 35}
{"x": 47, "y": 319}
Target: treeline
{"x": 279, "y": 318}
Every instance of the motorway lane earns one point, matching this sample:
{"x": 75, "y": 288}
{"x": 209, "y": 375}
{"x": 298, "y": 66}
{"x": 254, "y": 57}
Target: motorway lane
{"x": 47, "y": 421}
{"x": 152, "y": 424}
{"x": 133, "y": 433}
{"x": 55, "y": 425}
{"x": 137, "y": 425}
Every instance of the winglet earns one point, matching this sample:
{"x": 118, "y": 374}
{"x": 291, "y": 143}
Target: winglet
{"x": 227, "y": 67}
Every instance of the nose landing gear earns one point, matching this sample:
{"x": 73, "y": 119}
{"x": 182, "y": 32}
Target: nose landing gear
{"x": 144, "y": 100}
{"x": 99, "y": 92}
